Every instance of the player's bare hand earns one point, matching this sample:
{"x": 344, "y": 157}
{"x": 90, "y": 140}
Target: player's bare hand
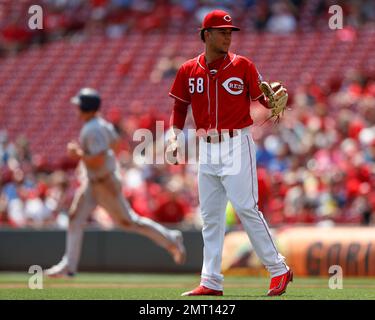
{"x": 172, "y": 150}
{"x": 74, "y": 150}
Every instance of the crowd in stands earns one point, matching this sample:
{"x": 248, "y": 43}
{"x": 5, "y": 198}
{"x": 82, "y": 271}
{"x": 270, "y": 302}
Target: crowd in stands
{"x": 320, "y": 164}
{"x": 115, "y": 18}
{"x": 316, "y": 166}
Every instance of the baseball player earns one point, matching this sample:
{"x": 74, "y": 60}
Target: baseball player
{"x": 219, "y": 85}
{"x": 101, "y": 185}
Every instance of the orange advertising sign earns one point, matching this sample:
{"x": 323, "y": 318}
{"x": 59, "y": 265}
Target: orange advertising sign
{"x": 309, "y": 251}
{"x": 312, "y": 250}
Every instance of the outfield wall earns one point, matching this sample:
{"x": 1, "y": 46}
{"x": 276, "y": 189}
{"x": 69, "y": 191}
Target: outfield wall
{"x": 313, "y": 251}
{"x": 109, "y": 251}
{"x": 310, "y": 251}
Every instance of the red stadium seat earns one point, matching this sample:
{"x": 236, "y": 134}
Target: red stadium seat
{"x": 38, "y": 83}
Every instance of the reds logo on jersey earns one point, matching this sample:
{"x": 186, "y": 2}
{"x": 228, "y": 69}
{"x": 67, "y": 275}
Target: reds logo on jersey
{"x": 233, "y": 85}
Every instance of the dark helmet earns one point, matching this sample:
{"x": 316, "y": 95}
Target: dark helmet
{"x": 87, "y": 99}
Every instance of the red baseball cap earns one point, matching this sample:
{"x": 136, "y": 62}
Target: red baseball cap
{"x": 218, "y": 19}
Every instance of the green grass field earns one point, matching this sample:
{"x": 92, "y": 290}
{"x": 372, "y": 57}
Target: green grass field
{"x": 169, "y": 287}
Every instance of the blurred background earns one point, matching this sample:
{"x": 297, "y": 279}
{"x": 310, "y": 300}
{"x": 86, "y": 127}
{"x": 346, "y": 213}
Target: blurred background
{"x": 316, "y": 169}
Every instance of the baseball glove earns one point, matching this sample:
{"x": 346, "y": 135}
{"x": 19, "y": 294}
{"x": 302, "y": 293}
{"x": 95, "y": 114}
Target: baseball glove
{"x": 277, "y": 98}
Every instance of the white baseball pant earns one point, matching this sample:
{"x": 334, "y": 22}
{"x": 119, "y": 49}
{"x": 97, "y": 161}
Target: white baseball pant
{"x": 227, "y": 171}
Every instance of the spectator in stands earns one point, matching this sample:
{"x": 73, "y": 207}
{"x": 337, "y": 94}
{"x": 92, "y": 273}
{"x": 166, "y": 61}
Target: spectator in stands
{"x": 3, "y": 210}
{"x": 14, "y": 194}
{"x": 170, "y": 208}
{"x": 167, "y": 66}
{"x": 262, "y": 15}
{"x": 15, "y": 36}
{"x": 59, "y": 197}
{"x": 7, "y": 149}
{"x": 282, "y": 19}
{"x": 38, "y": 210}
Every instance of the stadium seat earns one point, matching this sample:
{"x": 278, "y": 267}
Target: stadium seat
{"x": 50, "y": 75}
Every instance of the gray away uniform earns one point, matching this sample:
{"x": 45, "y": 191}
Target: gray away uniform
{"x": 103, "y": 187}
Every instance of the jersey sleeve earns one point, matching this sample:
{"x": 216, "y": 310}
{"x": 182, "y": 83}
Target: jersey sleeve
{"x": 95, "y": 142}
{"x": 255, "y": 79}
{"x": 180, "y": 87}
{"x": 179, "y": 113}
